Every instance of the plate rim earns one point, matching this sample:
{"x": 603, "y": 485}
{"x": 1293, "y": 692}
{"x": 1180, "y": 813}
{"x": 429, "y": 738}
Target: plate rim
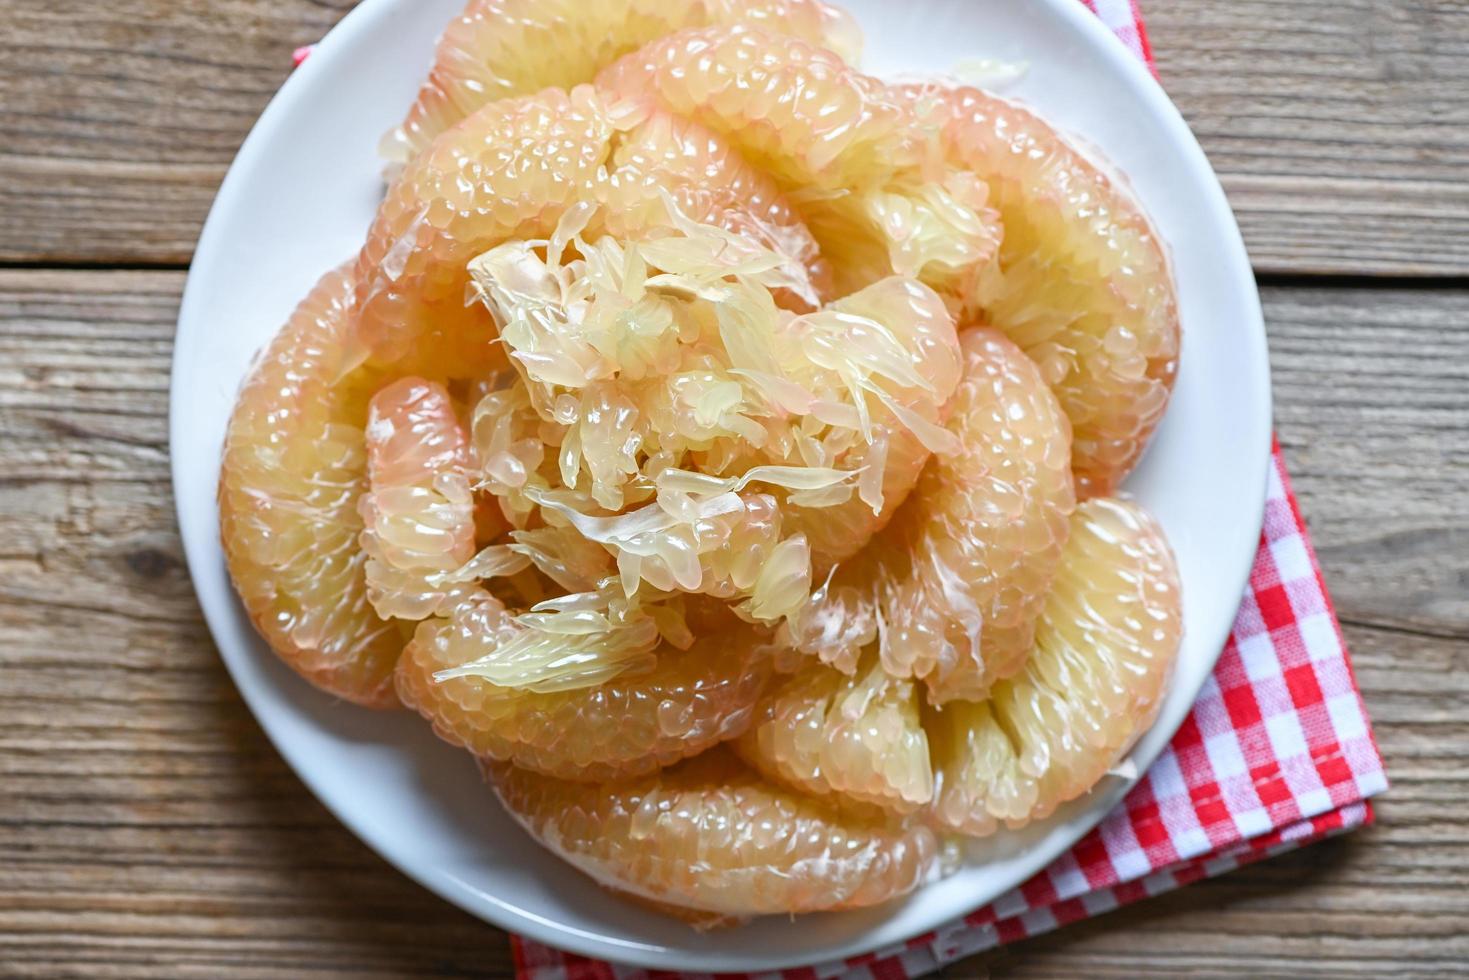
{"x": 520, "y": 921}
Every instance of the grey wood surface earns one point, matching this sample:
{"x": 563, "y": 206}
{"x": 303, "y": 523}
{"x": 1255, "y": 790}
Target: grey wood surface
{"x": 1340, "y": 127}
{"x": 148, "y": 828}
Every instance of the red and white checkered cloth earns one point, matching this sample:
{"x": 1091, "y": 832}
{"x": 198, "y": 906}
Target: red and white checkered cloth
{"x": 1277, "y": 753}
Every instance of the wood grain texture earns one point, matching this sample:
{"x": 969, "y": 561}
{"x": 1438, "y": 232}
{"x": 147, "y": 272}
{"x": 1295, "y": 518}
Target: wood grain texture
{"x": 1340, "y": 127}
{"x": 117, "y": 120}
{"x": 147, "y": 827}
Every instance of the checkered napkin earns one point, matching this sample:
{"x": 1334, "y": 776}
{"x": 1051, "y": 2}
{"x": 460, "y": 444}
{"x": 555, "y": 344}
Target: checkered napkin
{"x": 1277, "y": 753}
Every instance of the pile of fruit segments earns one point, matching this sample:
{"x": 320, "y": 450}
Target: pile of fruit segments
{"x": 723, "y": 446}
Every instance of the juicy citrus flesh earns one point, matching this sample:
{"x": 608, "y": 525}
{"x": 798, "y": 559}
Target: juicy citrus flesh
{"x": 1082, "y": 283}
{"x": 823, "y": 732}
{"x": 981, "y": 539}
{"x": 875, "y": 194}
{"x": 499, "y": 49}
{"x": 688, "y": 701}
{"x": 418, "y": 513}
{"x": 950, "y": 590}
{"x": 729, "y": 440}
{"x": 294, "y": 468}
{"x": 709, "y": 834}
{"x": 894, "y": 458}
{"x": 707, "y": 179}
{"x": 1104, "y": 647}
{"x": 709, "y": 392}
{"x": 508, "y": 171}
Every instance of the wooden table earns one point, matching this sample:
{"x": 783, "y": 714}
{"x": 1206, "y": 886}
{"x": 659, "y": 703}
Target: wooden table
{"x": 148, "y": 828}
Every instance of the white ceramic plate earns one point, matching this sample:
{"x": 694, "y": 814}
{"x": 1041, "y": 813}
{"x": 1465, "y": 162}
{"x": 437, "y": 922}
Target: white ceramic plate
{"x": 298, "y": 201}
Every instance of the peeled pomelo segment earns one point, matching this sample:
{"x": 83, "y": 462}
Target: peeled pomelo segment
{"x": 971, "y": 557}
{"x": 821, "y": 731}
{"x": 1082, "y": 284}
{"x": 1104, "y": 647}
{"x": 709, "y": 834}
{"x": 418, "y": 515}
{"x": 507, "y": 172}
{"x": 499, "y": 49}
{"x": 630, "y": 725}
{"x": 293, "y": 471}
{"x": 793, "y": 109}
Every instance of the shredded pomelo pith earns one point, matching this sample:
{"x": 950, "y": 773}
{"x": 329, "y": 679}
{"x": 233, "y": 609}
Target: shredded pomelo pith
{"x": 696, "y": 439}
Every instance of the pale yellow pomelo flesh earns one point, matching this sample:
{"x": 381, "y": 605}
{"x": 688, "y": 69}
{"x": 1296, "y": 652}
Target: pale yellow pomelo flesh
{"x": 630, "y": 725}
{"x": 1082, "y": 282}
{"x": 957, "y": 579}
{"x": 861, "y": 737}
{"x": 418, "y": 513}
{"x": 498, "y": 49}
{"x": 294, "y": 468}
{"x": 711, "y": 835}
{"x": 980, "y": 541}
{"x": 866, "y": 177}
{"x": 511, "y": 172}
{"x": 507, "y": 172}
{"x": 1104, "y": 648}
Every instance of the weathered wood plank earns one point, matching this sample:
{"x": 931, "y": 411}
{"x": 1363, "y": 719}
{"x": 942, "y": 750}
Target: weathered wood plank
{"x": 1372, "y": 406}
{"x": 119, "y": 119}
{"x": 1341, "y": 129}
{"x": 147, "y": 827}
